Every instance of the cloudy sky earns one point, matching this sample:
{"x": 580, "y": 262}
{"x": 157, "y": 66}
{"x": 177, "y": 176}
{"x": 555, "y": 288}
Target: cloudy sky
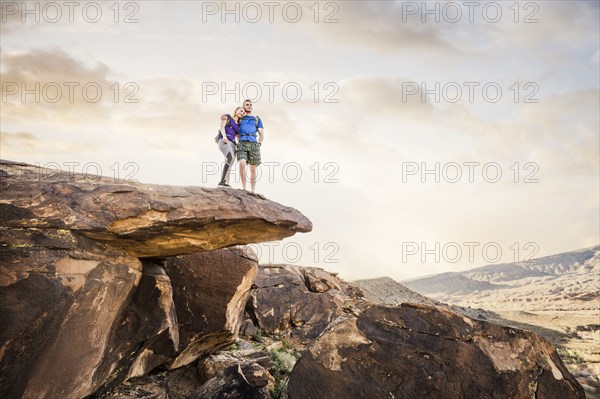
{"x": 418, "y": 137}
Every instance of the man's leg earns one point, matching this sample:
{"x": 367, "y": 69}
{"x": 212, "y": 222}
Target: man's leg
{"x": 243, "y": 173}
{"x": 252, "y": 177}
{"x": 253, "y": 161}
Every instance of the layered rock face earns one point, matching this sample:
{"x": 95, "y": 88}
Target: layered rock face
{"x": 142, "y": 219}
{"x": 91, "y": 294}
{"x": 297, "y": 301}
{"x": 211, "y": 290}
{"x": 421, "y": 351}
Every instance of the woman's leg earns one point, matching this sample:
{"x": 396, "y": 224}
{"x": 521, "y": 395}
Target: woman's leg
{"x": 229, "y": 157}
{"x": 232, "y": 152}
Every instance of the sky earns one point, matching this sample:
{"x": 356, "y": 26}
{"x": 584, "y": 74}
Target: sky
{"x": 418, "y": 137}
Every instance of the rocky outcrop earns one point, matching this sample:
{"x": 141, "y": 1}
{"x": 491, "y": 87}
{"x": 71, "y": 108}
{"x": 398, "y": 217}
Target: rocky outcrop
{"x": 87, "y": 282}
{"x": 142, "y": 219}
{"x": 185, "y": 307}
{"x": 297, "y": 301}
{"x": 421, "y": 351}
{"x": 373, "y": 351}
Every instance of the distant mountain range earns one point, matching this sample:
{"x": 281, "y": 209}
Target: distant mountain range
{"x": 570, "y": 278}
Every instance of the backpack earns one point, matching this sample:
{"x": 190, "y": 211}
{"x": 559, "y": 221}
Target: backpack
{"x": 256, "y": 119}
{"x": 219, "y": 135}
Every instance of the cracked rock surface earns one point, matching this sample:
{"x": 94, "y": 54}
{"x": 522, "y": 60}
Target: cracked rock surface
{"x": 423, "y": 351}
{"x": 145, "y": 220}
{"x": 297, "y": 301}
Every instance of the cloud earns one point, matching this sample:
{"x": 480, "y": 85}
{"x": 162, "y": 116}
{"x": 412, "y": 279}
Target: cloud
{"x": 348, "y": 123}
{"x": 169, "y": 113}
{"x": 19, "y": 139}
{"x": 48, "y": 17}
{"x": 166, "y": 111}
{"x": 561, "y": 131}
{"x": 374, "y": 25}
{"x": 372, "y": 122}
{"x": 53, "y": 87}
{"x": 27, "y": 146}
{"x": 378, "y": 97}
{"x": 11, "y": 14}
{"x": 390, "y": 28}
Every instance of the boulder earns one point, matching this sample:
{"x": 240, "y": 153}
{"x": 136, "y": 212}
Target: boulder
{"x": 210, "y": 290}
{"x": 319, "y": 280}
{"x": 211, "y": 365}
{"x": 422, "y": 351}
{"x": 248, "y": 329}
{"x": 184, "y": 307}
{"x": 245, "y": 381}
{"x": 295, "y": 300}
{"x": 147, "y": 334}
{"x": 62, "y": 298}
{"x": 148, "y": 387}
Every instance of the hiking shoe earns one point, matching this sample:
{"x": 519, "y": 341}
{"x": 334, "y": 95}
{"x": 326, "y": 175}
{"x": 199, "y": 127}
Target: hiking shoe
{"x": 223, "y": 184}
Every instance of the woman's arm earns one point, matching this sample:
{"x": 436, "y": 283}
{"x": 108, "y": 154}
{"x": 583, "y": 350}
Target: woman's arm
{"x": 223, "y": 132}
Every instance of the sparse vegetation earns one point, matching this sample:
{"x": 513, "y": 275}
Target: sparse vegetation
{"x": 285, "y": 344}
{"x": 233, "y": 347}
{"x": 283, "y": 363}
{"x": 575, "y": 356}
{"x": 258, "y": 337}
{"x": 283, "y": 357}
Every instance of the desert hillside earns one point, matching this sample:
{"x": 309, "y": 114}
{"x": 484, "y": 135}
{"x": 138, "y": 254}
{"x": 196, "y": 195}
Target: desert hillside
{"x": 388, "y": 291}
{"x": 567, "y": 281}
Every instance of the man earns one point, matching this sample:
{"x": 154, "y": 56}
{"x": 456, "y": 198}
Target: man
{"x": 250, "y": 140}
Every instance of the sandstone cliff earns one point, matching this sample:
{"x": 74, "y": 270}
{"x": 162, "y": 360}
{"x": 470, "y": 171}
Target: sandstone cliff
{"x": 92, "y": 290}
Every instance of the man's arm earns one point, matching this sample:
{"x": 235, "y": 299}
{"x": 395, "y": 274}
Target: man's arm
{"x": 260, "y": 135}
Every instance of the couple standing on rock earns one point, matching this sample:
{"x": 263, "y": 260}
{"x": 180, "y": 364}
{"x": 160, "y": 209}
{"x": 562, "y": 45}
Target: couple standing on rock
{"x": 248, "y": 130}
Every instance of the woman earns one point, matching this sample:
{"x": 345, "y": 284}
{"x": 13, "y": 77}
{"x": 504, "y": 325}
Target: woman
{"x": 231, "y": 126}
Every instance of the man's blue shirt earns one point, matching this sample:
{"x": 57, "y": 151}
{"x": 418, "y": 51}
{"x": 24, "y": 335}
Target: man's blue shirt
{"x": 248, "y": 130}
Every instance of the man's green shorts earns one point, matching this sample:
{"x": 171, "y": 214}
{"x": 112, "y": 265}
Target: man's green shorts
{"x": 250, "y": 151}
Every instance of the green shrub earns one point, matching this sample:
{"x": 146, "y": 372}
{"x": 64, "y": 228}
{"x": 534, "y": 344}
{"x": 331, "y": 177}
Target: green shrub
{"x": 283, "y": 363}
